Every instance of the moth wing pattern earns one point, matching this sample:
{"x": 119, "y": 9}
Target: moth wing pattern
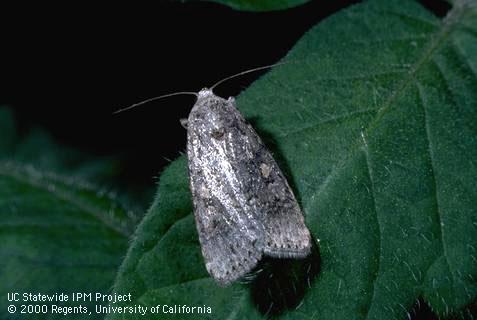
{"x": 286, "y": 235}
{"x": 230, "y": 237}
{"x": 225, "y": 260}
{"x": 243, "y": 205}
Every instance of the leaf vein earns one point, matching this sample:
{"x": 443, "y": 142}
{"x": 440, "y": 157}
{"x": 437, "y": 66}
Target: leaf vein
{"x": 22, "y": 175}
{"x": 411, "y": 18}
{"x": 340, "y": 118}
{"x": 403, "y": 85}
{"x": 441, "y": 234}
{"x": 378, "y": 222}
{"x": 459, "y": 52}
{"x": 388, "y": 40}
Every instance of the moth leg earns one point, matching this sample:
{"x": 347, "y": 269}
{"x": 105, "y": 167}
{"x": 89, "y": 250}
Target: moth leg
{"x": 184, "y": 122}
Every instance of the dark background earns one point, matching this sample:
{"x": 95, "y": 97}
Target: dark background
{"x": 66, "y": 69}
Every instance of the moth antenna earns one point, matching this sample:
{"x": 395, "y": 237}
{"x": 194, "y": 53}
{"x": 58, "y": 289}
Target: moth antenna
{"x": 155, "y": 98}
{"x": 245, "y": 72}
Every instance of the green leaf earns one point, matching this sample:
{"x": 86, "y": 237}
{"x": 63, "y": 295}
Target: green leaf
{"x": 264, "y": 5}
{"x": 374, "y": 119}
{"x": 58, "y": 234}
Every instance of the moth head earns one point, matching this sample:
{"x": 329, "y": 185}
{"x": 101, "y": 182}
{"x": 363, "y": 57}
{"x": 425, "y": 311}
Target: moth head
{"x": 204, "y": 93}
{"x": 212, "y": 114}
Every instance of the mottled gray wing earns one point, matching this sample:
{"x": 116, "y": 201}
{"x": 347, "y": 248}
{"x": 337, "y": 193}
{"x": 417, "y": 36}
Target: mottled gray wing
{"x": 286, "y": 235}
{"x": 230, "y": 235}
{"x": 243, "y": 204}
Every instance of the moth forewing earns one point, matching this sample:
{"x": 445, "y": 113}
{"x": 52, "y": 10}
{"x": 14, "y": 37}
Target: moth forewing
{"x": 243, "y": 205}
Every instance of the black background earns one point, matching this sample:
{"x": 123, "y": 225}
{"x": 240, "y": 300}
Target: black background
{"x": 67, "y": 68}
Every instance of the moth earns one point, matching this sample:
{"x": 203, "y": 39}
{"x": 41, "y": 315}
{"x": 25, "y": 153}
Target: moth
{"x": 243, "y": 205}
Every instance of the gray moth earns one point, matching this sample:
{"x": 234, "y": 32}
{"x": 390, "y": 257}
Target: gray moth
{"x": 243, "y": 206}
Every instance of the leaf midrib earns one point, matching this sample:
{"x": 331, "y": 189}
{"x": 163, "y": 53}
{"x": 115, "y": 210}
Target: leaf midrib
{"x": 403, "y": 85}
